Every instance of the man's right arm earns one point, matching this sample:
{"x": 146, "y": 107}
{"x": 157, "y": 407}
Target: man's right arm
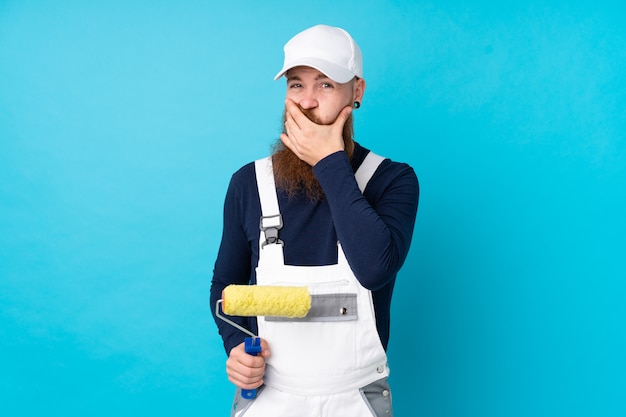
{"x": 232, "y": 266}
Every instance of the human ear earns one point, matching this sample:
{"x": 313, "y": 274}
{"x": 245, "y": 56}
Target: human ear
{"x": 358, "y": 90}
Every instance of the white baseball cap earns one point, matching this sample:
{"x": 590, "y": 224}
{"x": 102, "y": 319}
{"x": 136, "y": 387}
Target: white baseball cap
{"x": 328, "y": 49}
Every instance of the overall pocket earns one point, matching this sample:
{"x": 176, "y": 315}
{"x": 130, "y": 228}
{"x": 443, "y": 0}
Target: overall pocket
{"x": 377, "y": 396}
{"x": 242, "y": 405}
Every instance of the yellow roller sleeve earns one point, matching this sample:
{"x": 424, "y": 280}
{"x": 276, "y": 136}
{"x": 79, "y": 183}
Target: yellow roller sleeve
{"x": 257, "y": 300}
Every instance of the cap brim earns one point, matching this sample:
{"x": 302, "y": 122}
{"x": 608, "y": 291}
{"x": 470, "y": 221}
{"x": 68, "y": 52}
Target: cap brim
{"x": 332, "y": 71}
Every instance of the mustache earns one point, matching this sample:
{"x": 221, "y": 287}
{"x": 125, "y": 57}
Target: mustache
{"x": 311, "y": 116}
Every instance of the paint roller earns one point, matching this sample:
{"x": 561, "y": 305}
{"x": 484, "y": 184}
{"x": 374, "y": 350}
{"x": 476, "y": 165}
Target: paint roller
{"x": 259, "y": 300}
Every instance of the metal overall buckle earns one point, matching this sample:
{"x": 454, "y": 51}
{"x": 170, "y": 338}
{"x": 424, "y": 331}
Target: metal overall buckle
{"x": 270, "y": 225}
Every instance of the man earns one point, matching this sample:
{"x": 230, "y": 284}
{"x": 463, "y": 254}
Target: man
{"x": 347, "y": 223}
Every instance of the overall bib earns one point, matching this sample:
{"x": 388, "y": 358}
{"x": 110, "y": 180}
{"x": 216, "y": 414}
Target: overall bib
{"x": 331, "y": 362}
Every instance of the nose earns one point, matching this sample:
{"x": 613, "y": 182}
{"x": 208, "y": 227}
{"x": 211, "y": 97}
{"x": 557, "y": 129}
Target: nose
{"x": 308, "y": 100}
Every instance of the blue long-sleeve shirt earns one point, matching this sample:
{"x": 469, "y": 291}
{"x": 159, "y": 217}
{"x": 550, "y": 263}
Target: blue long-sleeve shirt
{"x": 374, "y": 227}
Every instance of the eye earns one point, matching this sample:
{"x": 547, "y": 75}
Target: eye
{"x": 327, "y": 85}
{"x": 295, "y": 85}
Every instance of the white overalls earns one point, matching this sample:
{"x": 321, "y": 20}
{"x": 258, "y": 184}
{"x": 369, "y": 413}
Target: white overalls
{"x": 330, "y": 363}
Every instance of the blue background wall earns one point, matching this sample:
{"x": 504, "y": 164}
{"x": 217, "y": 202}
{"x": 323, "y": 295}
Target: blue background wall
{"x": 121, "y": 123}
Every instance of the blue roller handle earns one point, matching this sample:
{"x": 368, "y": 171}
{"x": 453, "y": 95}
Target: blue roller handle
{"x": 252, "y": 346}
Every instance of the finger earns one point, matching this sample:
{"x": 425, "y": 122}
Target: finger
{"x": 246, "y": 375}
{"x": 293, "y": 146}
{"x": 295, "y": 113}
{"x": 290, "y": 123}
{"x": 238, "y": 359}
{"x": 289, "y": 137}
{"x": 289, "y": 109}
{"x": 249, "y": 361}
{"x": 286, "y": 140}
{"x": 265, "y": 352}
{"x": 343, "y": 116}
{"x": 245, "y": 382}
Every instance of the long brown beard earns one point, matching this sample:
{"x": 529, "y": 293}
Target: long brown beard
{"x": 293, "y": 175}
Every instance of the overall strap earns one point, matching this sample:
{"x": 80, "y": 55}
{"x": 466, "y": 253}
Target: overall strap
{"x": 367, "y": 169}
{"x": 267, "y": 187}
{"x": 271, "y": 220}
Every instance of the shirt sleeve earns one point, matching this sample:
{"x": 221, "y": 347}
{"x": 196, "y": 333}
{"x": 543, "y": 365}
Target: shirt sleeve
{"x": 374, "y": 228}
